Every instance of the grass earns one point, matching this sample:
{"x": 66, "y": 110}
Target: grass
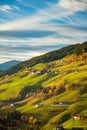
{"x": 75, "y": 123}
{"x": 47, "y": 112}
{"x": 39, "y": 66}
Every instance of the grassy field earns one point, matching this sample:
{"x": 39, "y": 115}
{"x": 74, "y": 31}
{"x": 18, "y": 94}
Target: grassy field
{"x": 75, "y": 98}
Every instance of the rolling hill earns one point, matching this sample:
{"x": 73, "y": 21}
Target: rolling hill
{"x": 48, "y": 57}
{"x": 47, "y": 93}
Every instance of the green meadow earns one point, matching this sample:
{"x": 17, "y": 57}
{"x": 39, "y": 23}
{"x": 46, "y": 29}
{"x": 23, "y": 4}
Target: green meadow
{"x": 52, "y": 96}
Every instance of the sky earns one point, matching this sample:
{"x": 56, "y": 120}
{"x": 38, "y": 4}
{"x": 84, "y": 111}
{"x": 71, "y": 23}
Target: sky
{"x": 29, "y": 28}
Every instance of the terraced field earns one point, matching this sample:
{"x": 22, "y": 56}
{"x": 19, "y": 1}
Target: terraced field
{"x": 51, "y": 92}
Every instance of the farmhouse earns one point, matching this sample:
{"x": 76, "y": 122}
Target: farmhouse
{"x": 37, "y": 105}
{"x": 77, "y": 117}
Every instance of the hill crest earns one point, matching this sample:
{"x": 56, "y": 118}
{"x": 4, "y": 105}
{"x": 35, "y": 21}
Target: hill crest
{"x": 48, "y": 57}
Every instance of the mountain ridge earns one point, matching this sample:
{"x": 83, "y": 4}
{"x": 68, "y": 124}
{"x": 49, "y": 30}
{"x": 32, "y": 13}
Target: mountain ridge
{"x": 48, "y": 57}
{"x": 8, "y": 64}
{"x": 48, "y": 93}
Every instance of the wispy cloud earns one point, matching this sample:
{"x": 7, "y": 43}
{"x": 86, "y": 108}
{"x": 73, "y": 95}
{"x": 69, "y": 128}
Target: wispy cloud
{"x": 23, "y": 51}
{"x": 73, "y": 5}
{"x": 30, "y": 35}
{"x": 63, "y": 9}
{"x": 45, "y": 31}
{"x": 15, "y": 7}
{"x": 5, "y": 8}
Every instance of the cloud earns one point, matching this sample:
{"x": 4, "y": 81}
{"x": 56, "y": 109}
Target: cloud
{"x": 73, "y": 5}
{"x": 46, "y": 31}
{"x": 63, "y": 9}
{"x": 15, "y": 7}
{"x": 26, "y": 33}
{"x": 18, "y": 56}
{"x": 5, "y": 8}
{"x": 9, "y": 52}
{"x": 19, "y": 51}
{"x": 34, "y": 34}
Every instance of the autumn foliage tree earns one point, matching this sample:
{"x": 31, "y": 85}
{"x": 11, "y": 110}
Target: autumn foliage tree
{"x": 32, "y": 120}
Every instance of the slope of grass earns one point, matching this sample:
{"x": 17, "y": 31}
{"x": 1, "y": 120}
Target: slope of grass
{"x": 75, "y": 123}
{"x": 48, "y": 113}
{"x": 40, "y": 66}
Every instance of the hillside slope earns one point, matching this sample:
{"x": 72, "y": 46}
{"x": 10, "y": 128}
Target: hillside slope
{"x": 48, "y": 93}
{"x": 50, "y": 56}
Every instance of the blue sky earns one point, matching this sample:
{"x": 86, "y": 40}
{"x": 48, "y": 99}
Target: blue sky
{"x": 30, "y": 28}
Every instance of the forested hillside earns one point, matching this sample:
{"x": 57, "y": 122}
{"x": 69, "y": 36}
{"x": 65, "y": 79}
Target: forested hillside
{"x": 48, "y": 57}
{"x": 47, "y": 94}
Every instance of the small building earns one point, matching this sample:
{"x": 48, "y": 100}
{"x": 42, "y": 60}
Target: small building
{"x": 37, "y": 105}
{"x": 60, "y": 103}
{"x": 12, "y": 105}
{"x": 38, "y": 72}
{"x": 77, "y": 117}
{"x": 56, "y": 72}
{"x": 33, "y": 71}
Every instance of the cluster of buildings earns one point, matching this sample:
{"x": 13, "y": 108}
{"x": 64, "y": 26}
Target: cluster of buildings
{"x": 44, "y": 71}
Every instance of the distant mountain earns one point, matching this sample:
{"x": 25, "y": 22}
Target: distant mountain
{"x": 48, "y": 57}
{"x": 8, "y": 64}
